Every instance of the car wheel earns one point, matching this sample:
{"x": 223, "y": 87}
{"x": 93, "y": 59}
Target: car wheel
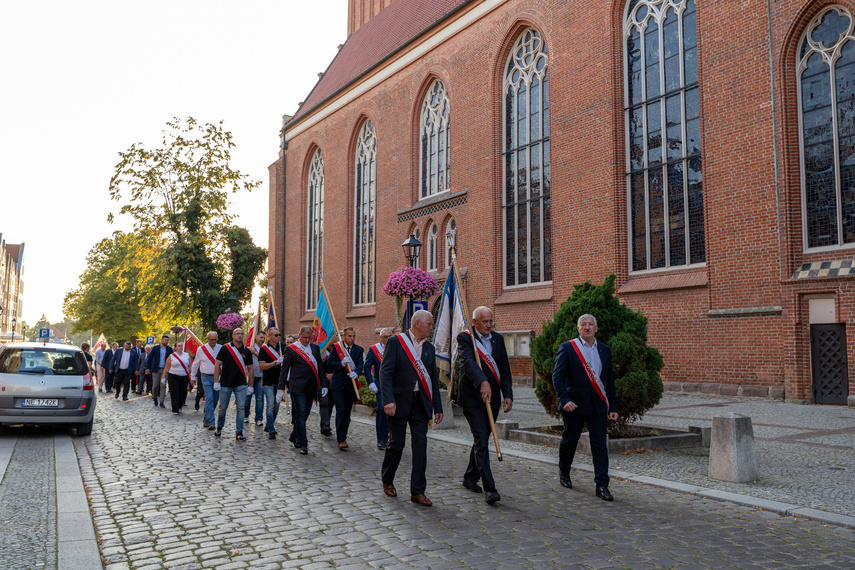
{"x": 84, "y": 429}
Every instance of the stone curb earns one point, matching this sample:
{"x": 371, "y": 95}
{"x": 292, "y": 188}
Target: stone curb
{"x": 783, "y": 509}
{"x": 77, "y": 547}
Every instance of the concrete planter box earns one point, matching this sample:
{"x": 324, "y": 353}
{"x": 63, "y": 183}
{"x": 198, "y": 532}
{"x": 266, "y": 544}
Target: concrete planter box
{"x": 668, "y": 439}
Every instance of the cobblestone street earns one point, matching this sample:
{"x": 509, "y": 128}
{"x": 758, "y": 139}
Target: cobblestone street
{"x": 166, "y": 493}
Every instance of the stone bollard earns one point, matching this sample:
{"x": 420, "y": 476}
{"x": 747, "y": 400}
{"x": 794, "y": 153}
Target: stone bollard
{"x": 503, "y": 428}
{"x": 447, "y": 412}
{"x": 732, "y": 456}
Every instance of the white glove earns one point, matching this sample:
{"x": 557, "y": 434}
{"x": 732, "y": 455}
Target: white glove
{"x": 280, "y": 359}
{"x": 163, "y": 381}
{"x": 353, "y": 375}
{"x": 249, "y": 390}
{"x": 280, "y": 394}
{"x": 216, "y": 386}
{"x": 347, "y": 360}
{"x": 373, "y": 387}
{"x": 324, "y": 392}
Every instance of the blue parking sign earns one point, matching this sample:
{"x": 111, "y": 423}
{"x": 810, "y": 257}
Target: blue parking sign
{"x": 149, "y": 340}
{"x": 44, "y": 333}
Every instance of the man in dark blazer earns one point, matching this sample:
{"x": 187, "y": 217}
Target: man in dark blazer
{"x": 154, "y": 365}
{"x": 373, "y": 360}
{"x": 341, "y": 384}
{"x": 124, "y": 366}
{"x": 308, "y": 381}
{"x": 489, "y": 382}
{"x": 586, "y": 394}
{"x": 411, "y": 394}
{"x": 107, "y": 364}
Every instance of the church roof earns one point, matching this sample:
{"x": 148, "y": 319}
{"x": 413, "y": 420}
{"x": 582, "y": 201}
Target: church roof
{"x": 393, "y": 28}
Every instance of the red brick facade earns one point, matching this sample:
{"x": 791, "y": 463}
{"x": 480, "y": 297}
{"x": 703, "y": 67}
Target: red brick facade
{"x": 738, "y": 324}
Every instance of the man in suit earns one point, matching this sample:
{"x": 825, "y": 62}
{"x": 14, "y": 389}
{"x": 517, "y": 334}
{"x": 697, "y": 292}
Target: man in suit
{"x": 124, "y": 366}
{"x": 108, "y": 363}
{"x": 489, "y": 382}
{"x": 304, "y": 375}
{"x": 139, "y": 375}
{"x": 411, "y": 394}
{"x": 585, "y": 384}
{"x": 154, "y": 366}
{"x": 341, "y": 385}
{"x": 372, "y": 367}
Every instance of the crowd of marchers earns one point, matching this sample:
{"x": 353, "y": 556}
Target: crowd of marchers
{"x": 400, "y": 369}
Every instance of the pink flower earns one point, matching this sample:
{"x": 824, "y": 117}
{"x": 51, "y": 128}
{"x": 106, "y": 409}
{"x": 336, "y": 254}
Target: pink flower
{"x": 229, "y": 320}
{"x": 411, "y": 282}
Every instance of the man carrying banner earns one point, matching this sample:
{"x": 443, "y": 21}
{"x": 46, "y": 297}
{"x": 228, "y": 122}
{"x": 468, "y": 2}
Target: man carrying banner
{"x": 270, "y": 361}
{"x": 233, "y": 375}
{"x": 204, "y": 363}
{"x": 477, "y": 386}
{"x": 343, "y": 354}
{"x": 585, "y": 384}
{"x": 372, "y": 367}
{"x": 304, "y": 375}
{"x": 411, "y": 394}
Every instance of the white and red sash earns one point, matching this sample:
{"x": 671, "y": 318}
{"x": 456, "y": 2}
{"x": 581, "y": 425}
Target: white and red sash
{"x": 596, "y": 383}
{"x": 181, "y": 362}
{"x": 486, "y": 359}
{"x": 270, "y": 352}
{"x": 377, "y": 354}
{"x": 308, "y": 360}
{"x": 237, "y": 357}
{"x": 341, "y": 356}
{"x": 204, "y": 348}
{"x": 417, "y": 363}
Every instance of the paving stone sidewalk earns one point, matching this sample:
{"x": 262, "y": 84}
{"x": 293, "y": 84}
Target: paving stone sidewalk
{"x": 166, "y": 494}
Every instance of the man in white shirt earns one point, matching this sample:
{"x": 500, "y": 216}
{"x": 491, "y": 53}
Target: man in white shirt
{"x": 204, "y": 363}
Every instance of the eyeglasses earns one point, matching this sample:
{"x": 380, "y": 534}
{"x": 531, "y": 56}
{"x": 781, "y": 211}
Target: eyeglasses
{"x": 277, "y": 335}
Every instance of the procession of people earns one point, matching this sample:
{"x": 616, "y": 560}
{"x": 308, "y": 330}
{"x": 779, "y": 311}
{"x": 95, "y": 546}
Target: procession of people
{"x": 400, "y": 369}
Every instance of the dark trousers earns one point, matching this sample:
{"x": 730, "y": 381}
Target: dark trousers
{"x": 177, "y": 390}
{"x": 343, "y": 407}
{"x": 200, "y": 391}
{"x": 597, "y": 424}
{"x": 324, "y": 409}
{"x": 108, "y": 381}
{"x": 479, "y": 455}
{"x": 123, "y": 378}
{"x": 301, "y": 407}
{"x": 418, "y": 422}
{"x": 381, "y": 421}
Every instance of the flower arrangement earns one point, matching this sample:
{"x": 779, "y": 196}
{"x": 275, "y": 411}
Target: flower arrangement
{"x": 411, "y": 282}
{"x": 229, "y": 320}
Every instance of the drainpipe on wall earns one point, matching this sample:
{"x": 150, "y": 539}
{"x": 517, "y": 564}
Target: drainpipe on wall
{"x": 775, "y": 136}
{"x": 281, "y": 295}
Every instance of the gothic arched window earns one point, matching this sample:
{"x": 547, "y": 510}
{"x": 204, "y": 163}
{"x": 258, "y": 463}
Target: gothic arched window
{"x": 526, "y": 195}
{"x": 431, "y": 247}
{"x": 664, "y": 183}
{"x": 435, "y": 147}
{"x": 315, "y": 236}
{"x": 366, "y": 198}
{"x": 826, "y": 73}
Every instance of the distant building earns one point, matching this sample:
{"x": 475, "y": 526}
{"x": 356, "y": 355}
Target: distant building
{"x": 11, "y": 285}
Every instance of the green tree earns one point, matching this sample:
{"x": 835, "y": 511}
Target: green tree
{"x": 180, "y": 193}
{"x": 636, "y": 365}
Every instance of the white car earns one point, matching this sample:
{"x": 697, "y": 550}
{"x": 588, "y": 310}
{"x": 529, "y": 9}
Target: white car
{"x": 46, "y": 384}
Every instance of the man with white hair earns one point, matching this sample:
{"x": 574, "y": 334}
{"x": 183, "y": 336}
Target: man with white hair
{"x": 489, "y": 383}
{"x": 411, "y": 394}
{"x": 585, "y": 384}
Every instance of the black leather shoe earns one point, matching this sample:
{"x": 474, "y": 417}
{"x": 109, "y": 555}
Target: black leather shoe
{"x": 239, "y": 436}
{"x": 197, "y": 406}
{"x": 327, "y": 432}
{"x": 565, "y": 480}
{"x": 304, "y": 450}
{"x": 293, "y": 437}
{"x": 472, "y": 486}
{"x": 271, "y": 435}
{"x": 492, "y": 497}
{"x": 603, "y": 493}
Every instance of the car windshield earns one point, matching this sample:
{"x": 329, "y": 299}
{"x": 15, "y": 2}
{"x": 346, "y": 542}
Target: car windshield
{"x": 43, "y": 361}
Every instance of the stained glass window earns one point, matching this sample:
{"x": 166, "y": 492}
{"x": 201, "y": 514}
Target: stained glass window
{"x": 365, "y": 181}
{"x": 435, "y": 148}
{"x": 315, "y": 237}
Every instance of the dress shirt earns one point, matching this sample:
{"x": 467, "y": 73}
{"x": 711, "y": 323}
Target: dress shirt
{"x": 592, "y": 355}
{"x": 99, "y": 356}
{"x": 126, "y": 359}
{"x": 308, "y": 350}
{"x": 162, "y": 357}
{"x": 486, "y": 343}
{"x": 256, "y": 368}
{"x": 202, "y": 363}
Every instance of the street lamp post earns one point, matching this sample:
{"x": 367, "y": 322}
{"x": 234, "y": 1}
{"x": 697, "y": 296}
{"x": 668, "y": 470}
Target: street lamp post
{"x": 14, "y": 323}
{"x": 411, "y": 246}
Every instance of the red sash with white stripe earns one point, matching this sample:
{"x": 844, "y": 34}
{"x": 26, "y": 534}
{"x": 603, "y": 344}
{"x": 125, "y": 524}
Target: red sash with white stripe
{"x": 421, "y": 371}
{"x": 204, "y": 348}
{"x": 377, "y": 353}
{"x": 308, "y": 360}
{"x": 184, "y": 368}
{"x": 271, "y": 353}
{"x": 341, "y": 356}
{"x": 238, "y": 360}
{"x": 592, "y": 376}
{"x": 486, "y": 359}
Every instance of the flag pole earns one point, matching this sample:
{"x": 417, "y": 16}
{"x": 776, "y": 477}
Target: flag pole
{"x": 272, "y": 306}
{"x": 466, "y": 319}
{"x": 335, "y": 326}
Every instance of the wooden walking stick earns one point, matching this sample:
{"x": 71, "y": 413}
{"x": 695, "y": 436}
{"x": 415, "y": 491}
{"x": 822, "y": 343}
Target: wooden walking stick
{"x": 471, "y": 327}
{"x": 341, "y": 344}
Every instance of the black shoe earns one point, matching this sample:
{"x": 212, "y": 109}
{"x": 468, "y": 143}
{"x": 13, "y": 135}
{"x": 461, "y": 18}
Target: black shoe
{"x": 155, "y": 403}
{"x": 197, "y": 406}
{"x": 211, "y": 426}
{"x": 381, "y": 445}
{"x": 472, "y": 486}
{"x": 304, "y": 450}
{"x": 239, "y": 436}
{"x": 603, "y": 493}
{"x": 492, "y": 497}
{"x": 162, "y": 406}
{"x": 565, "y": 480}
{"x": 271, "y": 435}
{"x": 124, "y": 399}
{"x": 293, "y": 437}
{"x": 326, "y": 431}
{"x": 265, "y": 429}
{"x": 218, "y": 433}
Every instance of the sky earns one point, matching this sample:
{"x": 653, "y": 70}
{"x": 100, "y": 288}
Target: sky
{"x": 84, "y": 80}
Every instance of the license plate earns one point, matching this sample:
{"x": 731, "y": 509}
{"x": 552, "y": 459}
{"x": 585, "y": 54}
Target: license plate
{"x": 40, "y": 403}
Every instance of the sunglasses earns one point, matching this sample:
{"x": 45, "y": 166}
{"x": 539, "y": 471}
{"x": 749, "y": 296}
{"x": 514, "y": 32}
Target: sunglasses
{"x": 277, "y": 335}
